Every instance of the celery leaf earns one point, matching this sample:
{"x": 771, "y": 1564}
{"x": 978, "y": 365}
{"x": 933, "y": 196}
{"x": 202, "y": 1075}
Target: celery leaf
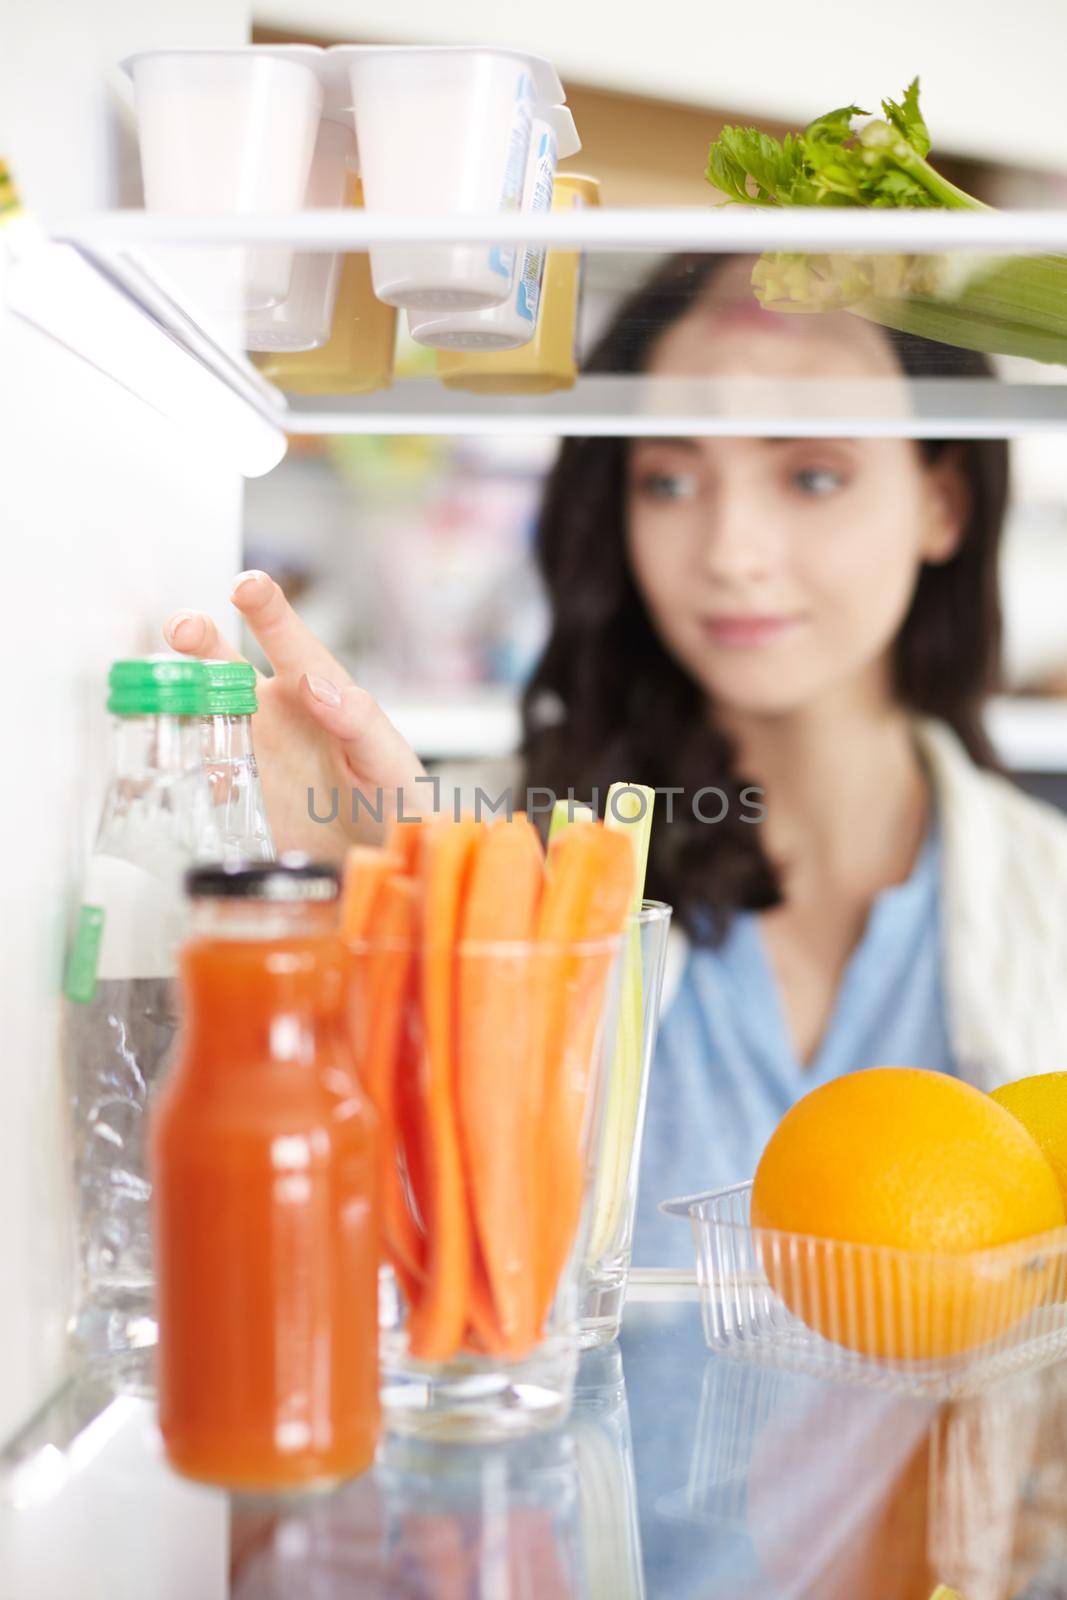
{"x": 908, "y": 120}
{"x": 741, "y": 156}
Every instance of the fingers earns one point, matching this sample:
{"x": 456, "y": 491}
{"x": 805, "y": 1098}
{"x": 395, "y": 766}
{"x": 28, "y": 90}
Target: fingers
{"x": 375, "y": 750}
{"x": 194, "y": 634}
{"x": 287, "y": 643}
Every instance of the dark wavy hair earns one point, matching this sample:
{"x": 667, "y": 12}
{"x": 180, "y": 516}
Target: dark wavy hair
{"x": 607, "y": 701}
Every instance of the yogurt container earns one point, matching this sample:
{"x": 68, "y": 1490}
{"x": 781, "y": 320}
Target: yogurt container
{"x": 303, "y": 319}
{"x": 358, "y": 356}
{"x": 445, "y": 132}
{"x": 512, "y": 324}
{"x": 549, "y": 360}
{"x": 230, "y": 132}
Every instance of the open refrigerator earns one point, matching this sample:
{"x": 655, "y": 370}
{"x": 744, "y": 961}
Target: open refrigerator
{"x": 121, "y": 499}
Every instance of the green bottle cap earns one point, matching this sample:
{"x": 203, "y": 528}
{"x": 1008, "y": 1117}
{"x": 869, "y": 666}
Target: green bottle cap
{"x": 156, "y": 686}
{"x": 230, "y": 688}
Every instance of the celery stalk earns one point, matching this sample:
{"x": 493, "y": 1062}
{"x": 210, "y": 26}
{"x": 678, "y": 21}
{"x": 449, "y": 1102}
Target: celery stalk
{"x": 630, "y": 806}
{"x": 564, "y": 812}
{"x": 1015, "y": 306}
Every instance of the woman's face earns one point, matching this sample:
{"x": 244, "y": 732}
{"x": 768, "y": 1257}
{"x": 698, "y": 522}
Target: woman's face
{"x": 778, "y": 570}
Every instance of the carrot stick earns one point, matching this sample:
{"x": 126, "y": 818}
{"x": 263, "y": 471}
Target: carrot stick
{"x": 587, "y": 898}
{"x": 389, "y": 934}
{"x": 403, "y": 840}
{"x": 386, "y": 966}
{"x": 484, "y": 1332}
{"x": 406, "y": 1201}
{"x": 440, "y": 1316}
{"x": 366, "y": 869}
{"x": 497, "y": 1098}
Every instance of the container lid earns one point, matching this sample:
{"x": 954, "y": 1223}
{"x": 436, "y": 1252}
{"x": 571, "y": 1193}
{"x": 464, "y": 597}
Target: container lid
{"x": 335, "y": 87}
{"x": 561, "y": 120}
{"x": 305, "y": 55}
{"x": 230, "y": 688}
{"x": 156, "y": 686}
{"x": 547, "y": 86}
{"x": 294, "y": 879}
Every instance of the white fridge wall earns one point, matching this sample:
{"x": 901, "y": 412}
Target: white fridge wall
{"x": 64, "y": 117}
{"x": 991, "y": 89}
{"x": 107, "y": 523}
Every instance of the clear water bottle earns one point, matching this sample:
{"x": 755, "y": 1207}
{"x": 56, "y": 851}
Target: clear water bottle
{"x": 230, "y": 762}
{"x": 121, "y": 1013}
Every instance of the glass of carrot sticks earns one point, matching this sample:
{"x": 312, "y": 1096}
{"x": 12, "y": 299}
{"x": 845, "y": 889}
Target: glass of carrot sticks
{"x": 607, "y": 1258}
{"x": 484, "y": 1020}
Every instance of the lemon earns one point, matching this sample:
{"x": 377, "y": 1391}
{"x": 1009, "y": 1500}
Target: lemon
{"x": 1040, "y": 1104}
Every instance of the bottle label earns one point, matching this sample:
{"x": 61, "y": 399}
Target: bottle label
{"x": 145, "y": 916}
{"x": 80, "y": 983}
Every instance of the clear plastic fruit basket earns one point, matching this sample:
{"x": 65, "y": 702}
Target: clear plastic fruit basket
{"x": 936, "y": 1325}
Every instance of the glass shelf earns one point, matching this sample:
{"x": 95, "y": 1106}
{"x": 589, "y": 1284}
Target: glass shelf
{"x": 679, "y": 1476}
{"x": 700, "y": 356}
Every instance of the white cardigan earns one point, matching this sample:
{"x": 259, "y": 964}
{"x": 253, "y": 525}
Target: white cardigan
{"x": 1003, "y": 918}
{"x": 1003, "y": 912}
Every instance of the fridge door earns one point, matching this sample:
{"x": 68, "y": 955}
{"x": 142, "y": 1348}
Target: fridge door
{"x": 109, "y": 519}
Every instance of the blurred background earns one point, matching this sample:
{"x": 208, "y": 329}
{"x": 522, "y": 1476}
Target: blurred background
{"x": 412, "y": 557}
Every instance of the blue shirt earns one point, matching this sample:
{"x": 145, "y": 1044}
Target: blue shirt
{"x": 725, "y": 1070}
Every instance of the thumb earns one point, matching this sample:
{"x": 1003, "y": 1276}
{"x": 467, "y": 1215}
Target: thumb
{"x": 375, "y": 752}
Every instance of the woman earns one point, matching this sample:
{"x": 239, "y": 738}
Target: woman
{"x": 814, "y": 619}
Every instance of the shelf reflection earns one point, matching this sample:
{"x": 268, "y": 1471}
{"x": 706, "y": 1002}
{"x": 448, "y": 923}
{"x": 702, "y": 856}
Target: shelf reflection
{"x": 554, "y": 1515}
{"x": 811, "y": 1491}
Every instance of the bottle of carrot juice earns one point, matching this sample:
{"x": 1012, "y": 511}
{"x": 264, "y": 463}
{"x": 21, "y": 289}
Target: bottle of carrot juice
{"x": 264, "y": 1168}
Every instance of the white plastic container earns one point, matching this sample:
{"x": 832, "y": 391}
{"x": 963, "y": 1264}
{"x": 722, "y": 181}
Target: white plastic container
{"x": 511, "y": 324}
{"x": 445, "y": 132}
{"x": 229, "y": 132}
{"x": 304, "y": 318}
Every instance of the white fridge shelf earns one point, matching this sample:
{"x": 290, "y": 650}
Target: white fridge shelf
{"x": 657, "y": 229}
{"x": 483, "y": 724}
{"x": 621, "y": 247}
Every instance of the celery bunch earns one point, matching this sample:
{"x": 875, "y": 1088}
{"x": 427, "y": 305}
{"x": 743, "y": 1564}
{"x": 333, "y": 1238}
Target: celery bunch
{"x": 1005, "y": 306}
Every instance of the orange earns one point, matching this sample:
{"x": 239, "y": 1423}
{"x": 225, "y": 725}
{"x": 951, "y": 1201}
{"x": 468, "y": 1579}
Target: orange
{"x": 928, "y": 1171}
{"x": 1040, "y": 1103}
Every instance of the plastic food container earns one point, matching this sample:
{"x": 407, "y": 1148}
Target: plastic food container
{"x": 358, "y": 356}
{"x": 303, "y": 319}
{"x": 933, "y": 1325}
{"x": 445, "y": 132}
{"x": 513, "y": 323}
{"x": 229, "y": 132}
{"x": 550, "y": 359}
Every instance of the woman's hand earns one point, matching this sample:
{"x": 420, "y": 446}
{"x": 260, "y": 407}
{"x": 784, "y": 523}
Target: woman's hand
{"x": 316, "y": 732}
